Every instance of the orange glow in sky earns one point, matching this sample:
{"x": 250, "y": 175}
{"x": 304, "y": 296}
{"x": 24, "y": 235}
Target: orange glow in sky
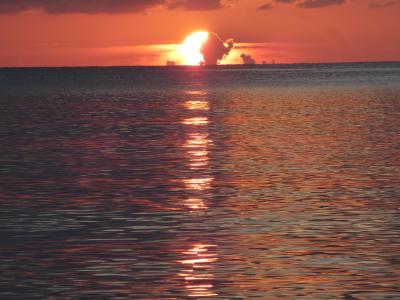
{"x": 139, "y": 32}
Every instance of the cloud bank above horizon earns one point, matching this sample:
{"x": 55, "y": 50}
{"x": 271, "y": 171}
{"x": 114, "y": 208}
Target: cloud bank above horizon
{"x": 313, "y": 4}
{"x": 104, "y": 6}
{"x": 140, "y": 6}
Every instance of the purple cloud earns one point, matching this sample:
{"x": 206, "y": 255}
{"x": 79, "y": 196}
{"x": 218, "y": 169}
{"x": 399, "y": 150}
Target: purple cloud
{"x": 247, "y": 59}
{"x": 195, "y": 4}
{"x": 103, "y": 6}
{"x": 266, "y": 6}
{"x": 319, "y": 3}
{"x": 305, "y": 3}
{"x": 384, "y": 4}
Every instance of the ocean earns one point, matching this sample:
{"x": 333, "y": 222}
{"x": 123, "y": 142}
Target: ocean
{"x": 228, "y": 182}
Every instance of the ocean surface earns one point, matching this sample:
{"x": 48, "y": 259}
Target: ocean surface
{"x": 263, "y": 182}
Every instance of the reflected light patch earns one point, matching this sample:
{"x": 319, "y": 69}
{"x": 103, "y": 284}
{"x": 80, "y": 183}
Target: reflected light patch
{"x": 198, "y": 184}
{"x": 195, "y": 204}
{"x": 197, "y": 140}
{"x": 194, "y": 165}
{"x": 197, "y": 105}
{"x": 198, "y": 153}
{"x": 198, "y": 277}
{"x": 196, "y": 93}
{"x": 198, "y": 161}
{"x": 196, "y": 121}
{"x": 197, "y": 144}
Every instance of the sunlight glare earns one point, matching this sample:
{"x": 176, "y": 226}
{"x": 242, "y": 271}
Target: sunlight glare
{"x": 191, "y": 46}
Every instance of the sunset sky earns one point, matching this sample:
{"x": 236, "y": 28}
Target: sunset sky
{"x": 148, "y": 32}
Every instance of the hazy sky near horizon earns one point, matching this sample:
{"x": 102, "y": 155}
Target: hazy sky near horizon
{"x": 148, "y": 32}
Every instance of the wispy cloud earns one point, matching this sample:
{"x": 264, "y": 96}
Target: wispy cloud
{"x": 304, "y": 3}
{"x": 319, "y": 3}
{"x": 195, "y": 4}
{"x": 383, "y": 4}
{"x": 266, "y": 6}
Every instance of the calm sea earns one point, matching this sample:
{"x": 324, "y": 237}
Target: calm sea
{"x": 274, "y": 182}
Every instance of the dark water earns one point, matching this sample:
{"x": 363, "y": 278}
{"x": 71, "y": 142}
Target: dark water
{"x": 280, "y": 182}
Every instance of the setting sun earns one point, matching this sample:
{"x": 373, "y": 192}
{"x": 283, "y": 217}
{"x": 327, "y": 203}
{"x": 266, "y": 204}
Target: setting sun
{"x": 191, "y": 46}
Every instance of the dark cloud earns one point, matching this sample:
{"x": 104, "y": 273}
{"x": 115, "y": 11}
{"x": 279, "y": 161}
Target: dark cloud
{"x": 103, "y": 6}
{"x": 305, "y": 3}
{"x": 10, "y": 6}
{"x": 319, "y": 3}
{"x": 266, "y": 6}
{"x": 195, "y": 4}
{"x": 384, "y": 4}
{"x": 78, "y": 6}
{"x": 170, "y": 63}
{"x": 214, "y": 49}
{"x": 247, "y": 59}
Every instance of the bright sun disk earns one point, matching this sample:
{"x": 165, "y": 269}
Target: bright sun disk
{"x": 191, "y": 46}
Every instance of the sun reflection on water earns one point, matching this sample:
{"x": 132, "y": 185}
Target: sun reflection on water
{"x": 197, "y": 262}
{"x": 200, "y": 105}
{"x": 197, "y": 139}
{"x": 196, "y": 121}
{"x": 197, "y": 273}
{"x": 195, "y": 204}
{"x": 197, "y": 145}
{"x": 197, "y": 142}
{"x": 199, "y": 184}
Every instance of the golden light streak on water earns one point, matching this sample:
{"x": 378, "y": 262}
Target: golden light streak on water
{"x": 197, "y": 139}
{"x": 198, "y": 260}
{"x": 199, "y": 184}
{"x": 198, "y": 154}
{"x": 196, "y": 121}
{"x": 195, "y": 204}
{"x": 199, "y": 105}
{"x": 198, "y": 276}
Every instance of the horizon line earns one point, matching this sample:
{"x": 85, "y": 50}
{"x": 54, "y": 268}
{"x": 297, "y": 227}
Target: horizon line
{"x": 199, "y": 66}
